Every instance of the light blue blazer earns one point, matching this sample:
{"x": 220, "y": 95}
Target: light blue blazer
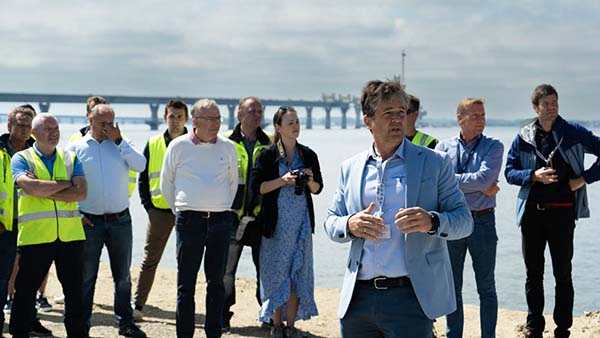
{"x": 431, "y": 186}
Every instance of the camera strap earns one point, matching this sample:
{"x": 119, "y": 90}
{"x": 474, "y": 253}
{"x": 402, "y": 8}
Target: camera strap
{"x": 281, "y": 150}
{"x": 548, "y": 159}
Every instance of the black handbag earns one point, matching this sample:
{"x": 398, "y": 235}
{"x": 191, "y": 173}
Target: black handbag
{"x": 252, "y": 234}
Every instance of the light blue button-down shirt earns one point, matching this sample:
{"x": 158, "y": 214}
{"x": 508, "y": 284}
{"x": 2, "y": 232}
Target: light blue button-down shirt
{"x": 106, "y": 167}
{"x": 477, "y": 169}
{"x": 385, "y": 256}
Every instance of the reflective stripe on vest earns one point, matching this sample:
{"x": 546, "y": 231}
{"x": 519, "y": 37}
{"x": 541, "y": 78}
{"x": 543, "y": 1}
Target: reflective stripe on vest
{"x": 423, "y": 139}
{"x": 156, "y": 156}
{"x": 36, "y": 216}
{"x": 44, "y": 220}
{"x": 131, "y": 182}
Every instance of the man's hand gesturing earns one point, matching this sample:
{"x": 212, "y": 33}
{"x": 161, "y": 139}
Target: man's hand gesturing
{"x": 365, "y": 225}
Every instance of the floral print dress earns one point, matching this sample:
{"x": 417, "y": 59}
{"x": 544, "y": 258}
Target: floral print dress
{"x": 286, "y": 259}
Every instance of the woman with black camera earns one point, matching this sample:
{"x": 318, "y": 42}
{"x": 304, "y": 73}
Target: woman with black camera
{"x": 285, "y": 175}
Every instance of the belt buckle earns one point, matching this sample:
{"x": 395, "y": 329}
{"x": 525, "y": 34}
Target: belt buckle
{"x": 378, "y": 287}
{"x": 207, "y": 215}
{"x": 537, "y": 205}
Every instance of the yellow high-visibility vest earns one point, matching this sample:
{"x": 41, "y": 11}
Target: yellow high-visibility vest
{"x": 131, "y": 182}
{"x": 44, "y": 220}
{"x": 156, "y": 156}
{"x": 243, "y": 160}
{"x": 422, "y": 139}
{"x": 7, "y": 186}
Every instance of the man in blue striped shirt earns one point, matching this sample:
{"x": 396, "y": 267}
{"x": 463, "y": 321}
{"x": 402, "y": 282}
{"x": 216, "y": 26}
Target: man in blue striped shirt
{"x": 477, "y": 160}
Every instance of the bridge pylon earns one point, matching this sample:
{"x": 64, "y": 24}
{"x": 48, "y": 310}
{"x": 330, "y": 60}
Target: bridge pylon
{"x": 153, "y": 122}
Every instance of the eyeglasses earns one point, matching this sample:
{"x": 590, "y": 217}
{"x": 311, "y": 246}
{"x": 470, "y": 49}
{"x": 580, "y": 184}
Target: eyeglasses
{"x": 210, "y": 118}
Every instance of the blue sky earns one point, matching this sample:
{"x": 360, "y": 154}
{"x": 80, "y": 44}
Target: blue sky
{"x": 282, "y": 49}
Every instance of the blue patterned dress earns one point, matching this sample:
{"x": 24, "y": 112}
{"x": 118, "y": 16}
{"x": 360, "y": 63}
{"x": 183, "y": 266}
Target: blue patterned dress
{"x": 286, "y": 259}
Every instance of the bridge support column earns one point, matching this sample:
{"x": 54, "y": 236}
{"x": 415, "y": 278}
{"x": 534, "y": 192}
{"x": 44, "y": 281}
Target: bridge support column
{"x": 153, "y": 122}
{"x": 358, "y": 112}
{"x": 44, "y": 107}
{"x": 344, "y": 111}
{"x": 309, "y": 117}
{"x": 328, "y": 117}
{"x": 231, "y": 119}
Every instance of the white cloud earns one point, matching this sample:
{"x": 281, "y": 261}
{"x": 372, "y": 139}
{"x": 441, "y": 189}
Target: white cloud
{"x": 301, "y": 49}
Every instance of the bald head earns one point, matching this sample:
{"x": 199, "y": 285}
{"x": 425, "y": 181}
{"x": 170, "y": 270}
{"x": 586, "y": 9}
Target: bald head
{"x": 101, "y": 109}
{"x": 101, "y": 118}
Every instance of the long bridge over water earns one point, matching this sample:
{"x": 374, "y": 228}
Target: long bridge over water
{"x": 329, "y": 104}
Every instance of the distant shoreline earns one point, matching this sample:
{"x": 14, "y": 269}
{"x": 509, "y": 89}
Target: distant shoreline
{"x": 319, "y": 122}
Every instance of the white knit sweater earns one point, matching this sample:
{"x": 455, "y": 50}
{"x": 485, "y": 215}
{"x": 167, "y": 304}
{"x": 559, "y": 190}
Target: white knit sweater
{"x": 199, "y": 177}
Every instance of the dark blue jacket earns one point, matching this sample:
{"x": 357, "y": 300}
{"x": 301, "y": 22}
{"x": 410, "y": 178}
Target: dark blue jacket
{"x": 576, "y": 141}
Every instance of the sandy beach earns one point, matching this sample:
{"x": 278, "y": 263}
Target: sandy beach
{"x": 159, "y": 313}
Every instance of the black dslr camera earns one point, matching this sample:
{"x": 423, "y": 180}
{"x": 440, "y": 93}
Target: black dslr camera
{"x": 301, "y": 179}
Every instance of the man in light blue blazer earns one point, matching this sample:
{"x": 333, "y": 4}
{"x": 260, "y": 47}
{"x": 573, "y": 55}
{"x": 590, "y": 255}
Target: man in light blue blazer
{"x": 398, "y": 204}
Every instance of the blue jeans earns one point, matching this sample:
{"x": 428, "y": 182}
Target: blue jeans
{"x": 482, "y": 246}
{"x": 116, "y": 235}
{"x": 195, "y": 233}
{"x": 393, "y": 312}
{"x": 8, "y": 250}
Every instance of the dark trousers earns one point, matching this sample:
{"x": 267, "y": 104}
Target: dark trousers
{"x": 553, "y": 226}
{"x": 196, "y": 231}
{"x": 389, "y": 313}
{"x": 233, "y": 259}
{"x": 34, "y": 264}
{"x": 8, "y": 251}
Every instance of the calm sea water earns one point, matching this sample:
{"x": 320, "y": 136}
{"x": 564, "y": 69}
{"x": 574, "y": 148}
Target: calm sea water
{"x": 333, "y": 146}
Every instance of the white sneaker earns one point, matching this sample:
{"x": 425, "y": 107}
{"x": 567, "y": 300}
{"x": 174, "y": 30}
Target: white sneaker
{"x": 59, "y": 299}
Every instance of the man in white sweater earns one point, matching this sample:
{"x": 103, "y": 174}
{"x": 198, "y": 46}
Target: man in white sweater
{"x": 199, "y": 180}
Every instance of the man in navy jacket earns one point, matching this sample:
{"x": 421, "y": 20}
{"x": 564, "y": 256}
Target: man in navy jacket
{"x": 547, "y": 160}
